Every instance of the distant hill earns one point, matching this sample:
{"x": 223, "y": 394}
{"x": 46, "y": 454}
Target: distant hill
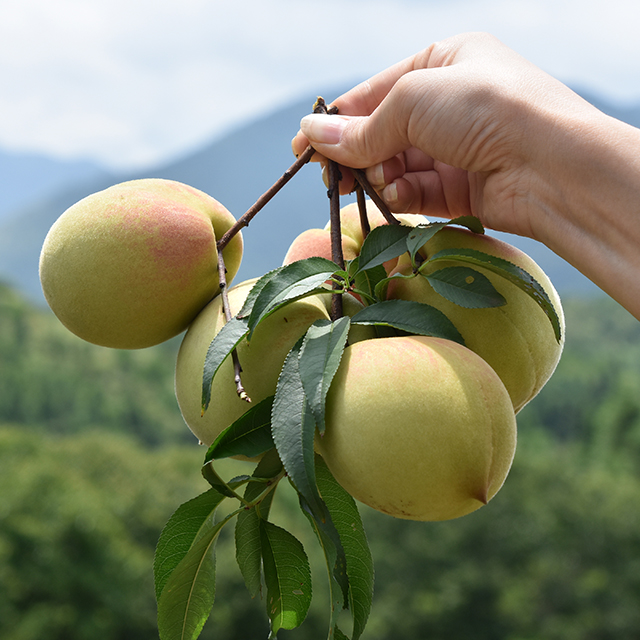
{"x": 236, "y": 170}
{"x": 28, "y": 177}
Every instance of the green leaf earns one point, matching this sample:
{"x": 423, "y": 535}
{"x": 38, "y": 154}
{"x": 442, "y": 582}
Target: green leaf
{"x": 423, "y": 233}
{"x": 338, "y": 635}
{"x": 189, "y": 522}
{"x": 420, "y": 235}
{"x": 381, "y": 287}
{"x": 259, "y": 285}
{"x": 412, "y": 317}
{"x": 186, "y": 600}
{"x": 287, "y": 577}
{"x": 293, "y": 428}
{"x": 470, "y": 222}
{"x": 227, "y": 489}
{"x": 365, "y": 282}
{"x": 226, "y": 340}
{"x": 247, "y": 531}
{"x": 319, "y": 360}
{"x": 249, "y": 550}
{"x": 511, "y": 272}
{"x": 345, "y": 516}
{"x": 465, "y": 287}
{"x": 335, "y": 558}
{"x": 383, "y": 243}
{"x": 295, "y": 280}
{"x": 249, "y": 435}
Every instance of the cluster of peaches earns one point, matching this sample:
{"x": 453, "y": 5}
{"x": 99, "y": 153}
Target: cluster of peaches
{"x": 417, "y": 426}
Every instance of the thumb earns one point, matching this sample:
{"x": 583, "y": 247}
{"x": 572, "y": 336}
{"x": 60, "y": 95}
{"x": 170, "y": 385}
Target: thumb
{"x": 353, "y": 141}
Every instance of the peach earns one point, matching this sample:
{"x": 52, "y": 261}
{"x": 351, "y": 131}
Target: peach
{"x": 261, "y": 358}
{"x": 317, "y": 243}
{"x": 131, "y": 266}
{"x": 417, "y": 427}
{"x": 516, "y": 339}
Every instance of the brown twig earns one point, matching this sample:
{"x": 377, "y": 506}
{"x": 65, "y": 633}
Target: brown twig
{"x": 244, "y": 220}
{"x": 334, "y": 215}
{"x": 237, "y": 368}
{"x": 361, "y": 177}
{"x": 336, "y": 234}
{"x": 362, "y": 210}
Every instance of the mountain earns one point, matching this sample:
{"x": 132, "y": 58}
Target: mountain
{"x": 236, "y": 170}
{"x": 26, "y": 178}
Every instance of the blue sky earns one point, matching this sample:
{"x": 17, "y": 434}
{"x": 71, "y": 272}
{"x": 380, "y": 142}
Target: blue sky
{"x": 132, "y": 83}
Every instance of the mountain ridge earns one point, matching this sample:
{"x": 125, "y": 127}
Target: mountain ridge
{"x": 236, "y": 169}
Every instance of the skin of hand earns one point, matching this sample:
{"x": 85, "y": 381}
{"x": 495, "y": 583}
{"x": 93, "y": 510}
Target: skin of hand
{"x": 467, "y": 126}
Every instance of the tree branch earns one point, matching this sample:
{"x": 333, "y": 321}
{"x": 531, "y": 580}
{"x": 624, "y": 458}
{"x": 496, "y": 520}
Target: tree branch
{"x": 362, "y": 210}
{"x": 244, "y": 221}
{"x": 237, "y": 368}
{"x": 361, "y": 177}
{"x": 336, "y": 234}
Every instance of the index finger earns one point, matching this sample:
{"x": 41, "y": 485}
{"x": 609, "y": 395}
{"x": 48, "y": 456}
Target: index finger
{"x": 365, "y": 97}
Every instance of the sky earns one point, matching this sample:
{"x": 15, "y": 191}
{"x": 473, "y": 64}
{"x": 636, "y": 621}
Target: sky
{"x": 136, "y": 83}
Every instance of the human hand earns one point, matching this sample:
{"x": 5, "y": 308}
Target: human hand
{"x": 466, "y": 126}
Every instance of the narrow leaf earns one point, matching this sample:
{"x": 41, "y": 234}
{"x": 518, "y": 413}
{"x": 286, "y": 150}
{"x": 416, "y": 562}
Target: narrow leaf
{"x": 515, "y": 274}
{"x": 380, "y": 292}
{"x": 226, "y": 340}
{"x": 247, "y": 530}
{"x": 189, "y": 522}
{"x": 423, "y": 233}
{"x": 345, "y": 516}
{"x": 465, "y": 287}
{"x": 249, "y": 550}
{"x": 210, "y": 474}
{"x": 287, "y": 577}
{"x": 259, "y": 285}
{"x": 365, "y": 282}
{"x": 293, "y": 428}
{"x": 470, "y": 222}
{"x": 319, "y": 360}
{"x": 383, "y": 243}
{"x": 186, "y": 600}
{"x": 420, "y": 235}
{"x": 249, "y": 435}
{"x": 289, "y": 283}
{"x": 335, "y": 558}
{"x": 338, "y": 635}
{"x": 412, "y": 317}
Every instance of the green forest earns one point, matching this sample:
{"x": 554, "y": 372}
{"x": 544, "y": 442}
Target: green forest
{"x": 94, "y": 458}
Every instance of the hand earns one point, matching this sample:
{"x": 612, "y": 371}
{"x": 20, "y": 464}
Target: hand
{"x": 468, "y": 126}
{"x": 460, "y": 128}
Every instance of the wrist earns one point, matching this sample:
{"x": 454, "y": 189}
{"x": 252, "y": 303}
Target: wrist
{"x": 588, "y": 205}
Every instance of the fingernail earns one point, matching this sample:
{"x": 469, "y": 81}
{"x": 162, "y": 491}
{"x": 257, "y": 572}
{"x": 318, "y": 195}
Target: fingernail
{"x": 390, "y": 193}
{"x": 375, "y": 175}
{"x": 322, "y": 128}
{"x": 325, "y": 175}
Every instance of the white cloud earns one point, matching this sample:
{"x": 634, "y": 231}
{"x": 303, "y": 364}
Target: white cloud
{"x": 132, "y": 82}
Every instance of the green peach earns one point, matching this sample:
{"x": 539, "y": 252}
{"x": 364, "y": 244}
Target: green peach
{"x": 131, "y": 266}
{"x": 418, "y": 427}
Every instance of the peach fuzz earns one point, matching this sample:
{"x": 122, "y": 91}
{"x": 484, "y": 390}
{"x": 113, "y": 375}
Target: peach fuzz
{"x": 131, "y": 266}
{"x": 418, "y": 428}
